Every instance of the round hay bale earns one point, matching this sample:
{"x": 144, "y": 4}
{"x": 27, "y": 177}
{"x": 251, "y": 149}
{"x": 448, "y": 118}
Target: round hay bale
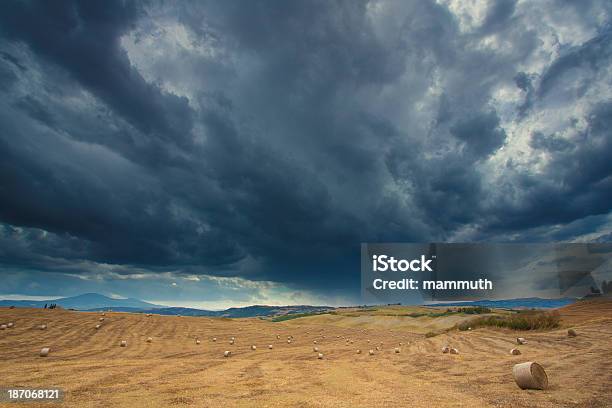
{"x": 149, "y": 315}
{"x": 197, "y": 341}
{"x": 101, "y": 319}
{"x": 227, "y": 353}
{"x": 377, "y": 348}
{"x": 320, "y": 356}
{"x": 214, "y": 339}
{"x": 10, "y": 325}
{"x": 521, "y": 340}
{"x": 149, "y": 339}
{"x": 358, "y": 351}
{"x": 231, "y": 342}
{"x": 44, "y": 352}
{"x": 277, "y": 337}
{"x": 43, "y": 327}
{"x": 123, "y": 343}
{"x": 253, "y": 347}
{"x": 446, "y": 349}
{"x": 397, "y": 350}
{"x": 98, "y": 326}
{"x": 371, "y": 352}
{"x": 2, "y": 326}
{"x": 103, "y": 314}
{"x": 289, "y": 341}
{"x": 530, "y": 375}
{"x": 315, "y": 349}
{"x": 232, "y": 339}
{"x": 571, "y": 333}
{"x": 454, "y": 350}
{"x": 515, "y": 352}
{"x": 314, "y": 342}
{"x": 269, "y": 347}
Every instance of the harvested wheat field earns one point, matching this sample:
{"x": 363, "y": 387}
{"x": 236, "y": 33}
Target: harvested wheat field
{"x": 172, "y": 370}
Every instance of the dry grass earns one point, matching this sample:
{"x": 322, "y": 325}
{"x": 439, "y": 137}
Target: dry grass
{"x": 173, "y": 371}
{"x": 415, "y": 319}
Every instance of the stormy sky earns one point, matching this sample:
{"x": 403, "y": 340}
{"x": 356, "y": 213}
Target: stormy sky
{"x": 238, "y": 152}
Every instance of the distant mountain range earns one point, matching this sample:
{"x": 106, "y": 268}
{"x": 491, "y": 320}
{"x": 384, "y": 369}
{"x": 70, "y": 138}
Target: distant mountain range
{"x": 85, "y": 301}
{"x": 536, "y": 303}
{"x": 96, "y": 302}
{"x": 249, "y": 311}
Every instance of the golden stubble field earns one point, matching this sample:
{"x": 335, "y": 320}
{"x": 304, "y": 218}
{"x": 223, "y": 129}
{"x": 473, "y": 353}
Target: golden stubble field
{"x": 173, "y": 370}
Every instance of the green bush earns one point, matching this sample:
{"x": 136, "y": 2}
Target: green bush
{"x": 415, "y": 314}
{"x": 291, "y": 316}
{"x": 524, "y": 320}
{"x": 474, "y": 310}
{"x": 449, "y": 311}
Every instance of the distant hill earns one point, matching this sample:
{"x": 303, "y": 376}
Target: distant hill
{"x": 97, "y": 302}
{"x": 258, "y": 310}
{"x": 249, "y": 311}
{"x": 536, "y": 303}
{"x": 85, "y": 301}
{"x": 174, "y": 311}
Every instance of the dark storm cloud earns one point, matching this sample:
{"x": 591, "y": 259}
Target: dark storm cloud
{"x": 83, "y": 38}
{"x": 268, "y": 139}
{"x": 549, "y": 143}
{"x": 576, "y": 182}
{"x": 499, "y": 14}
{"x": 481, "y": 134}
{"x": 525, "y": 83}
{"x": 588, "y": 58}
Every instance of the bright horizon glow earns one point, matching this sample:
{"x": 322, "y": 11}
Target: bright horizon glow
{"x": 223, "y": 305}
{"x": 28, "y": 297}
